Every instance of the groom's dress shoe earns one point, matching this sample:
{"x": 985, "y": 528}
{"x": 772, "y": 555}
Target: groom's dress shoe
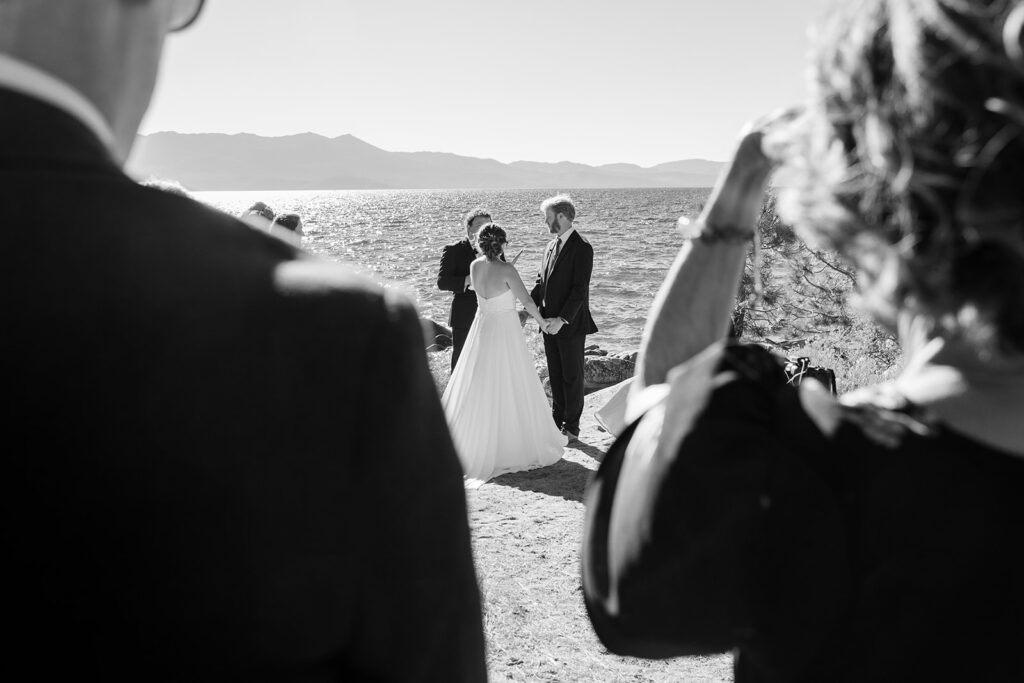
{"x": 573, "y": 436}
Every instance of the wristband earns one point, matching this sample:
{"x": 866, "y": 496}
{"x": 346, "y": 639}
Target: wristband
{"x": 712, "y": 234}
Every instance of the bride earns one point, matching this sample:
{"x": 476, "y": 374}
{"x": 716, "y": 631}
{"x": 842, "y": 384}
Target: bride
{"x": 496, "y": 408}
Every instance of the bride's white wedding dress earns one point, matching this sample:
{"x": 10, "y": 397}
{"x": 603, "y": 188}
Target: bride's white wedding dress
{"x": 498, "y": 414}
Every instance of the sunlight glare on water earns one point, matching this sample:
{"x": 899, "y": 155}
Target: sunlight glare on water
{"x": 396, "y": 238}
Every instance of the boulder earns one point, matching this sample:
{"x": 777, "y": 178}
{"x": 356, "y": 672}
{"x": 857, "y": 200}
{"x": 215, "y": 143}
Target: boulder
{"x": 599, "y": 371}
{"x": 436, "y": 337}
{"x": 626, "y": 355}
{"x": 603, "y": 371}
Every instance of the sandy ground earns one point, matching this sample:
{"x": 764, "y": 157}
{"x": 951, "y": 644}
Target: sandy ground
{"x": 526, "y": 530}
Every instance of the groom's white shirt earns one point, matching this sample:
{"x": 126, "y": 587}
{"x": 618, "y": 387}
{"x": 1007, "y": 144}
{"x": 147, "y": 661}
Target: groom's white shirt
{"x": 550, "y": 267}
{"x": 551, "y": 247}
{"x": 565, "y": 235}
{"x": 33, "y": 82}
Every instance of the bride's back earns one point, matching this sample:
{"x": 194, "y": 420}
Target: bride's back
{"x": 489, "y": 278}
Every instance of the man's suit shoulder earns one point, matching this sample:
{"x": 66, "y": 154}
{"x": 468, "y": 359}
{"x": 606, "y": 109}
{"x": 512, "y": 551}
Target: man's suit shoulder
{"x": 459, "y": 244}
{"x": 582, "y": 242}
{"x": 310, "y": 278}
{"x": 211, "y": 243}
{"x": 188, "y": 215}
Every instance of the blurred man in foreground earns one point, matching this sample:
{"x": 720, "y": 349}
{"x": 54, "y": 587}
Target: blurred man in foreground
{"x": 189, "y": 498}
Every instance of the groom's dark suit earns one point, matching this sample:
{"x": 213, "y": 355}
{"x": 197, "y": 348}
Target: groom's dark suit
{"x": 563, "y": 291}
{"x": 226, "y": 460}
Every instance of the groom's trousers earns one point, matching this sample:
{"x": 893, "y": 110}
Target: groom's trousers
{"x": 565, "y": 370}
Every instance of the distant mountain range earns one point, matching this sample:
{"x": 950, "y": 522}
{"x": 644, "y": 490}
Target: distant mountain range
{"x": 215, "y": 161}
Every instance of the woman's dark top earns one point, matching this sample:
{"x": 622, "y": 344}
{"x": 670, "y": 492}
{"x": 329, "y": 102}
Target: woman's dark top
{"x": 819, "y": 542}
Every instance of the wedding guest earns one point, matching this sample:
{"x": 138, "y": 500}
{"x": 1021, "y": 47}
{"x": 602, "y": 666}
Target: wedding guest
{"x": 287, "y": 227}
{"x": 172, "y": 186}
{"x": 185, "y": 497}
{"x": 453, "y": 276}
{"x": 259, "y": 216}
{"x": 877, "y": 538}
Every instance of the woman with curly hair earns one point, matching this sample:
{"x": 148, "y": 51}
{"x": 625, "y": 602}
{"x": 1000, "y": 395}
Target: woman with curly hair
{"x": 878, "y": 537}
{"x": 499, "y": 417}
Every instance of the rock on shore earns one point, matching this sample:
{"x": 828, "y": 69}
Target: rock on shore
{"x": 437, "y": 336}
{"x": 600, "y": 369}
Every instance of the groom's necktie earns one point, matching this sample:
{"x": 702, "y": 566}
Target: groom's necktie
{"x": 553, "y": 256}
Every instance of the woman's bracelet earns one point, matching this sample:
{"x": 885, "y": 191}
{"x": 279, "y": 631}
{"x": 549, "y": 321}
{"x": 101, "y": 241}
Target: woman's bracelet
{"x": 712, "y": 234}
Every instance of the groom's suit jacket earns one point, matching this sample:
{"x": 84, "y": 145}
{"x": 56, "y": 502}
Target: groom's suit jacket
{"x": 225, "y": 459}
{"x": 564, "y": 288}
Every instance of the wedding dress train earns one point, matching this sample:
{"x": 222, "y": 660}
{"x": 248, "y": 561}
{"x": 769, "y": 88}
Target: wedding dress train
{"x": 498, "y": 414}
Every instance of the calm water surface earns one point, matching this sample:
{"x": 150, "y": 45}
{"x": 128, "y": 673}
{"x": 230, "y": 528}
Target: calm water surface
{"x": 396, "y": 237}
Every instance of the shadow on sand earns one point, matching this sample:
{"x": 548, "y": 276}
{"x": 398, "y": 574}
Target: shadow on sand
{"x": 565, "y": 478}
{"x": 586, "y": 449}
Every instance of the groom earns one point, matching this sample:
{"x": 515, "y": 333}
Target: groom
{"x": 563, "y": 294}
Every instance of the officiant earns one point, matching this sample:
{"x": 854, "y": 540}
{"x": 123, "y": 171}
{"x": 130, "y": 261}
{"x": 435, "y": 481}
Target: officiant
{"x": 453, "y": 276}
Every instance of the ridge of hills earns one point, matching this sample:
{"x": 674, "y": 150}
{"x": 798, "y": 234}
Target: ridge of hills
{"x": 307, "y": 161}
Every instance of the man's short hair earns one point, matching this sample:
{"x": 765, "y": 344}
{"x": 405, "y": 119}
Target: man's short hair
{"x": 477, "y": 213}
{"x": 290, "y": 221}
{"x": 262, "y": 210}
{"x": 560, "y": 204}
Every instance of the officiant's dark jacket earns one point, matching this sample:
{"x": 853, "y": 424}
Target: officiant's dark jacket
{"x": 225, "y": 460}
{"x": 451, "y": 277}
{"x": 567, "y": 290}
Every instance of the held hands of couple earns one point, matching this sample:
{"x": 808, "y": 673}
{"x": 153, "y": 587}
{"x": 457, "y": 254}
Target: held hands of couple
{"x": 552, "y": 325}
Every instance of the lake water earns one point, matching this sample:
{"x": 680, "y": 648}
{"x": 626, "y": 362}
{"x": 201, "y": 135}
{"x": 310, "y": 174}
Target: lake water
{"x": 396, "y": 237}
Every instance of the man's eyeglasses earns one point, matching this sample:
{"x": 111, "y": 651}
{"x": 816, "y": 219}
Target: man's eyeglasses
{"x": 184, "y": 13}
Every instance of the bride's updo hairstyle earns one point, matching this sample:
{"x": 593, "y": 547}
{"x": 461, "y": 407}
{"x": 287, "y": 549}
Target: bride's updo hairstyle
{"x": 910, "y": 161}
{"x": 490, "y": 240}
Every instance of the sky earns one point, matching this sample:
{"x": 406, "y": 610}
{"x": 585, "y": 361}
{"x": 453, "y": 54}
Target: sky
{"x": 589, "y": 81}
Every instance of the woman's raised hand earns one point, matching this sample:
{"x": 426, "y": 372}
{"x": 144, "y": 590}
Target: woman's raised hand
{"x": 735, "y": 203}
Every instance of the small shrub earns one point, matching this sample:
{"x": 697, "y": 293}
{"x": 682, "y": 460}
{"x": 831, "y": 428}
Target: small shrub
{"x": 803, "y": 308}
